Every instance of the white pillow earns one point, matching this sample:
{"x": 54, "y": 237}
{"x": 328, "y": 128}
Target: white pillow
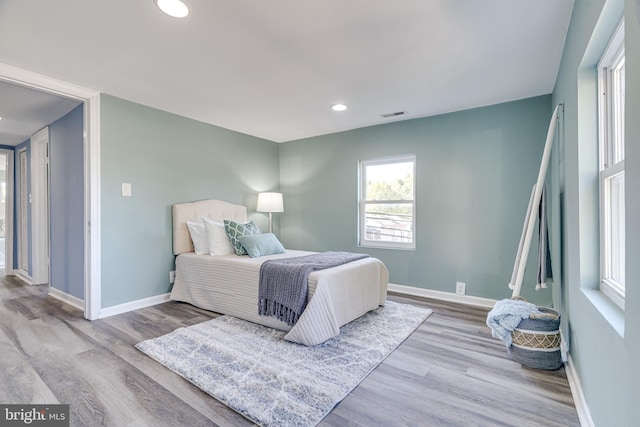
{"x": 198, "y": 237}
{"x": 217, "y": 239}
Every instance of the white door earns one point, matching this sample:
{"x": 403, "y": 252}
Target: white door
{"x": 40, "y": 207}
{"x": 33, "y": 210}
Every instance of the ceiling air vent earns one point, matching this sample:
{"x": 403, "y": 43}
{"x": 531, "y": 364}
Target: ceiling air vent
{"x": 396, "y": 114}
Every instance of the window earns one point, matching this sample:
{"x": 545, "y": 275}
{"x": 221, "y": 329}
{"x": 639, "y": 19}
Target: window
{"x": 387, "y": 203}
{"x": 611, "y": 88}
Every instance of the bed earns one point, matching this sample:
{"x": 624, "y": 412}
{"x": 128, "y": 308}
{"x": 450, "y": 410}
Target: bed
{"x": 228, "y": 284}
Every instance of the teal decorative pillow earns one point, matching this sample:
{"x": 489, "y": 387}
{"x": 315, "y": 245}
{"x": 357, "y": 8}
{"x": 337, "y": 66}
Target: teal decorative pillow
{"x": 261, "y": 244}
{"x": 236, "y": 229}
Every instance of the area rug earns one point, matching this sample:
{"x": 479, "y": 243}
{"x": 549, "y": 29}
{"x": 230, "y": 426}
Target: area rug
{"x": 273, "y": 382}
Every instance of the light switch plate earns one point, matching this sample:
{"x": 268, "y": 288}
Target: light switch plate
{"x": 126, "y": 189}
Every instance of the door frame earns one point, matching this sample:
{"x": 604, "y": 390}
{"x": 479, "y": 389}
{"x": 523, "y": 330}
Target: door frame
{"x": 91, "y": 167}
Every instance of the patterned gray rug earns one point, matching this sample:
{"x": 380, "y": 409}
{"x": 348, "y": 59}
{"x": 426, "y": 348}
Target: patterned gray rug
{"x": 273, "y": 382}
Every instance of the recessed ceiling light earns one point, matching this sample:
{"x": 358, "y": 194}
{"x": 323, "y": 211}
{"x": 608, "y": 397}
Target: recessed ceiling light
{"x": 338, "y": 107}
{"x": 174, "y": 8}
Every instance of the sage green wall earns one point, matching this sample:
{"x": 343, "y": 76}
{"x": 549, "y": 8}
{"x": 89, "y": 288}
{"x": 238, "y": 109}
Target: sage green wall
{"x": 632, "y": 177}
{"x": 604, "y": 341}
{"x": 475, "y": 172}
{"x": 168, "y": 159}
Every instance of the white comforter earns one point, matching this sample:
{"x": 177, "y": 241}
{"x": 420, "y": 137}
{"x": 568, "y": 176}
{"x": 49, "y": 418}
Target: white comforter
{"x": 228, "y": 284}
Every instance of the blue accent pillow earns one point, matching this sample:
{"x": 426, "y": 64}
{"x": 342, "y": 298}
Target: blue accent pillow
{"x": 261, "y": 244}
{"x": 237, "y": 229}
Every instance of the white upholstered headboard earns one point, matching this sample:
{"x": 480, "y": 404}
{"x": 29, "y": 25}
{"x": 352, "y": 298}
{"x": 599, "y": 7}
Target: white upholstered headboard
{"x": 215, "y": 210}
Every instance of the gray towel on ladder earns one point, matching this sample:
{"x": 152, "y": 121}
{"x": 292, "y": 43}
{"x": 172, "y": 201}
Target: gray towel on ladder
{"x": 545, "y": 273}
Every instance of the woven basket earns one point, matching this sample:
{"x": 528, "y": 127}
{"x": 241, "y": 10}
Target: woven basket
{"x": 536, "y": 341}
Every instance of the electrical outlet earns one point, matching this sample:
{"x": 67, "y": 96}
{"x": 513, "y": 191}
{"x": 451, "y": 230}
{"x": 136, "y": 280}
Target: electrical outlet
{"x": 461, "y": 288}
{"x": 172, "y": 276}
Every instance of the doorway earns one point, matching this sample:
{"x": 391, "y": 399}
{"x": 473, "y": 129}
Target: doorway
{"x": 91, "y": 164}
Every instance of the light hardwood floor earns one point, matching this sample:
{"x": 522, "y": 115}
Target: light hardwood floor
{"x": 449, "y": 372}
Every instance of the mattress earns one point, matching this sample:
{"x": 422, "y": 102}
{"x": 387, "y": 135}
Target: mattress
{"x": 228, "y": 284}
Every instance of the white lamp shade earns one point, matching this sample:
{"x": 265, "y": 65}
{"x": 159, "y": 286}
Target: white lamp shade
{"x": 270, "y": 202}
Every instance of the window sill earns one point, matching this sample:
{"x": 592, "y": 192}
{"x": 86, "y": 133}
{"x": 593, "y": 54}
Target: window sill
{"x": 381, "y": 246}
{"x": 609, "y": 310}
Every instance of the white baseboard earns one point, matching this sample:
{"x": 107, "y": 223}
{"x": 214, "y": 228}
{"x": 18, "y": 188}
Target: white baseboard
{"x": 65, "y": 297}
{"x": 564, "y": 348}
{"x": 443, "y": 296}
{"x": 133, "y": 305}
{"x": 584, "y": 415}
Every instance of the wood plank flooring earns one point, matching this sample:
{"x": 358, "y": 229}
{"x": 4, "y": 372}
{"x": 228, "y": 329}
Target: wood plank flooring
{"x": 449, "y": 372}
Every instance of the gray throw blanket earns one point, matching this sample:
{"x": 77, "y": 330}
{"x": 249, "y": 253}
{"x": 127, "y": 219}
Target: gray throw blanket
{"x": 283, "y": 282}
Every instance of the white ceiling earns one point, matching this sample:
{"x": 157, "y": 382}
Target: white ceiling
{"x": 25, "y": 111}
{"x": 272, "y": 68}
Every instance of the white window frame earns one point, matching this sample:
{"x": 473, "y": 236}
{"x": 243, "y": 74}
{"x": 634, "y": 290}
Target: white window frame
{"x": 611, "y": 160}
{"x": 362, "y": 177}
